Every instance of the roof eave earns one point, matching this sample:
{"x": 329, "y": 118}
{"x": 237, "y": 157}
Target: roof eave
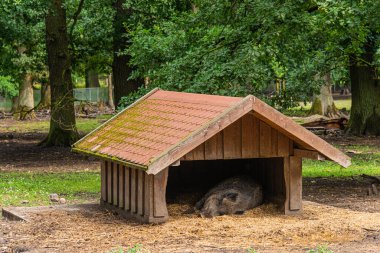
{"x": 111, "y": 158}
{"x": 298, "y": 133}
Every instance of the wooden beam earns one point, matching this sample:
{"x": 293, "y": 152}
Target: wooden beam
{"x": 309, "y": 154}
{"x": 159, "y": 194}
{"x": 298, "y": 133}
{"x": 295, "y": 166}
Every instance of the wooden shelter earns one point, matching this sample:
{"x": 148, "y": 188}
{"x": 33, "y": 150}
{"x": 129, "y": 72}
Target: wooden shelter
{"x": 197, "y": 138}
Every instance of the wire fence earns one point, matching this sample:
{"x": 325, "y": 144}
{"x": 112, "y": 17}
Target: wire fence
{"x": 81, "y": 94}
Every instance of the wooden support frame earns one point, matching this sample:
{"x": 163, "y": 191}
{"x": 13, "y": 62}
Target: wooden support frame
{"x": 133, "y": 193}
{"x": 309, "y": 154}
{"x": 293, "y": 185}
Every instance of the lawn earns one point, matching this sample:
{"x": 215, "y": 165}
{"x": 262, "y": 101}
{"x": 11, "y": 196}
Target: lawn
{"x": 303, "y": 109}
{"x": 35, "y": 188}
{"x": 42, "y": 126}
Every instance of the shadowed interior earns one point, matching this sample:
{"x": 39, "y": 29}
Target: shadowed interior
{"x": 188, "y": 182}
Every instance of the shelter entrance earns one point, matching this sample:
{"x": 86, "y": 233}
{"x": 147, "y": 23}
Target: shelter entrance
{"x": 189, "y": 181}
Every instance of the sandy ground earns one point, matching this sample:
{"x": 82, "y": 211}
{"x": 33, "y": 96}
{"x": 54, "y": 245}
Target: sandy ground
{"x": 91, "y": 229}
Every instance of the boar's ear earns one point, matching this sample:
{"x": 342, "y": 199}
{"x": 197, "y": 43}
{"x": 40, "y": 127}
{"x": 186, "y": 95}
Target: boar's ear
{"x": 232, "y": 196}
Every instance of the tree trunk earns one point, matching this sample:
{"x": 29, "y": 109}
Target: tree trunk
{"x": 92, "y": 78}
{"x": 365, "y": 89}
{"x": 63, "y": 131}
{"x": 323, "y": 103}
{"x": 120, "y": 66}
{"x": 110, "y": 91}
{"x": 26, "y": 100}
{"x": 45, "y": 96}
{"x": 14, "y": 104}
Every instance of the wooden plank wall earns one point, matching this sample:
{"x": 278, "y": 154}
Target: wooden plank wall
{"x": 248, "y": 137}
{"x": 133, "y": 192}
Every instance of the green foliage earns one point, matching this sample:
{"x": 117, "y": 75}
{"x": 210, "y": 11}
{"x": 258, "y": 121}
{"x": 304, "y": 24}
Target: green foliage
{"x": 251, "y": 250}
{"x": 320, "y": 249}
{"x": 134, "y": 249}
{"x": 132, "y": 97}
{"x": 8, "y": 88}
{"x": 240, "y": 47}
{"x": 36, "y": 187}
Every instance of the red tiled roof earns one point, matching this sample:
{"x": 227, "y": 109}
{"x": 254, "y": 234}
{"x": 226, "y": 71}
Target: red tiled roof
{"x": 162, "y": 126}
{"x": 152, "y": 125}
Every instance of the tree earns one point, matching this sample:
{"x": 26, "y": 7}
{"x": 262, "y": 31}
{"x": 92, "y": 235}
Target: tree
{"x": 121, "y": 68}
{"x": 323, "y": 103}
{"x": 23, "y": 50}
{"x": 63, "y": 131}
{"x": 365, "y": 87}
{"x": 235, "y": 48}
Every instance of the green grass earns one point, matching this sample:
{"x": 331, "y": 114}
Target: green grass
{"x": 36, "y": 187}
{"x": 303, "y": 109}
{"x": 365, "y": 160}
{"x": 42, "y": 126}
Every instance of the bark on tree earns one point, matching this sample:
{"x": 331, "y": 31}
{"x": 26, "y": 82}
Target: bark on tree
{"x": 120, "y": 66}
{"x": 92, "y": 78}
{"x": 25, "y": 105}
{"x": 63, "y": 131}
{"x": 110, "y": 91}
{"x": 365, "y": 89}
{"x": 45, "y": 96}
{"x": 323, "y": 103}
{"x": 14, "y": 104}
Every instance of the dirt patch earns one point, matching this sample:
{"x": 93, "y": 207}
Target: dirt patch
{"x": 349, "y": 193}
{"x": 91, "y": 229}
{"x": 21, "y": 152}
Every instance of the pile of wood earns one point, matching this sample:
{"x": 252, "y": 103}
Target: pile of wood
{"x": 317, "y": 122}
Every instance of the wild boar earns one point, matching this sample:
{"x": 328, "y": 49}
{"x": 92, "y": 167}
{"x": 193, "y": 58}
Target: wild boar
{"x": 233, "y": 196}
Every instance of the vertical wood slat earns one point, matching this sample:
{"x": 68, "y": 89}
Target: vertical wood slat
{"x": 211, "y": 148}
{"x": 115, "y": 186}
{"x": 248, "y": 141}
{"x": 140, "y": 192}
{"x": 282, "y": 145}
{"x": 127, "y": 188}
{"x": 232, "y": 140}
{"x": 295, "y": 176}
{"x": 189, "y": 156}
{"x": 199, "y": 152}
{"x": 109, "y": 182}
{"x": 133, "y": 190}
{"x": 103, "y": 176}
{"x": 265, "y": 139}
{"x": 148, "y": 195}
{"x": 121, "y": 186}
{"x": 159, "y": 194}
{"x": 219, "y": 146}
{"x": 256, "y": 137}
{"x": 274, "y": 142}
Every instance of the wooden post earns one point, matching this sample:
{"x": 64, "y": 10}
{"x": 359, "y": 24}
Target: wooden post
{"x": 293, "y": 184}
{"x": 103, "y": 176}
